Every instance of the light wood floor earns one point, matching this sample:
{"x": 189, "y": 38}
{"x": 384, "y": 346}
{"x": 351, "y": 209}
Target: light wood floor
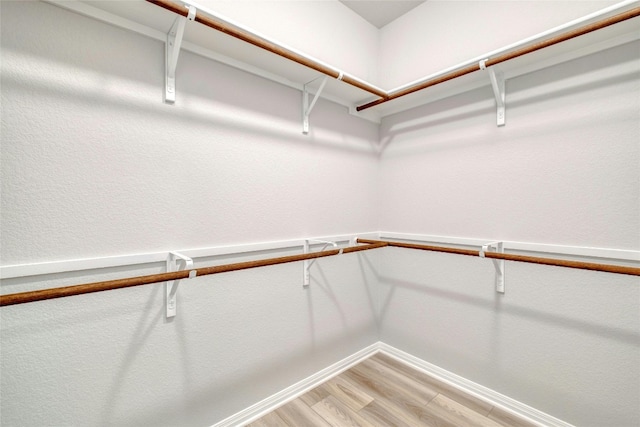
{"x": 381, "y": 391}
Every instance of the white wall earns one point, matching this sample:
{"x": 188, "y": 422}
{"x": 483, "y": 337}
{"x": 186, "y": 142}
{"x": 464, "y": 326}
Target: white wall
{"x": 564, "y": 170}
{"x": 94, "y": 164}
{"x": 81, "y": 109}
{"x": 327, "y": 30}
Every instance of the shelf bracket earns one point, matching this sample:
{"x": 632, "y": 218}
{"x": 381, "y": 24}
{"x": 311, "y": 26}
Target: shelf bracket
{"x": 309, "y": 262}
{"x": 497, "y": 84}
{"x": 497, "y": 263}
{"x": 306, "y": 107}
{"x": 172, "y": 51}
{"x": 172, "y": 286}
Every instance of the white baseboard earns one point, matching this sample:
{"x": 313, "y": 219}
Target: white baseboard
{"x": 275, "y": 401}
{"x": 492, "y": 397}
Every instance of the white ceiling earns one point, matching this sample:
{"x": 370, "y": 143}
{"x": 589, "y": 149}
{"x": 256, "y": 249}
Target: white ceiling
{"x": 381, "y": 12}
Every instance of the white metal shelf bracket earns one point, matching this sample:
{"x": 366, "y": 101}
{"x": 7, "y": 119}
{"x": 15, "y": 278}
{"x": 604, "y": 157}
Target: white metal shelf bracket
{"x": 497, "y": 263}
{"x": 309, "y": 262}
{"x": 172, "y": 286}
{"x": 172, "y": 51}
{"x": 306, "y": 107}
{"x": 497, "y": 84}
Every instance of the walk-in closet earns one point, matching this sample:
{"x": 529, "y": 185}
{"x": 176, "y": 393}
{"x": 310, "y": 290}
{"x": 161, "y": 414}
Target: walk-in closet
{"x": 320, "y": 213}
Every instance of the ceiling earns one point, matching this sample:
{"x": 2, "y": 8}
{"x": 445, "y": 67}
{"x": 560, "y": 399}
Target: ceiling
{"x": 381, "y": 12}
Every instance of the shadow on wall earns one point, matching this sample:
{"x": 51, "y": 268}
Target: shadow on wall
{"x": 538, "y": 316}
{"x": 211, "y": 109}
{"x": 319, "y": 280}
{"x": 531, "y": 344}
{"x": 222, "y": 395}
{"x": 149, "y": 319}
{"x": 323, "y": 283}
{"x": 597, "y": 71}
{"x": 364, "y": 263}
{"x": 90, "y": 323}
{"x": 265, "y": 378}
{"x": 264, "y": 106}
{"x": 95, "y": 72}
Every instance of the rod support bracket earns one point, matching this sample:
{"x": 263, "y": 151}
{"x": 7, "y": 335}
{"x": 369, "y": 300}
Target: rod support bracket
{"x": 172, "y": 286}
{"x": 172, "y": 51}
{"x": 498, "y": 86}
{"x": 497, "y": 263}
{"x": 309, "y": 262}
{"x": 306, "y": 106}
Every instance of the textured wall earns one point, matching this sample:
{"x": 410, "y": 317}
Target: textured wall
{"x": 559, "y": 340}
{"x": 112, "y": 358}
{"x": 564, "y": 170}
{"x": 94, "y": 164}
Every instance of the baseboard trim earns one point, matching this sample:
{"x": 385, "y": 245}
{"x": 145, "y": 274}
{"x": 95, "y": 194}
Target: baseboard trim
{"x": 275, "y": 401}
{"x": 488, "y": 395}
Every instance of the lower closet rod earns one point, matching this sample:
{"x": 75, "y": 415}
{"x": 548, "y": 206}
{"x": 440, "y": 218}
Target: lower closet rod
{"x": 44, "y": 294}
{"x": 608, "y": 268}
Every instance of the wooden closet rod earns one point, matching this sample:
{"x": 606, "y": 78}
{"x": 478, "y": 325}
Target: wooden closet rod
{"x": 236, "y": 32}
{"x": 233, "y": 31}
{"x": 608, "y": 268}
{"x": 632, "y": 13}
{"x": 31, "y": 296}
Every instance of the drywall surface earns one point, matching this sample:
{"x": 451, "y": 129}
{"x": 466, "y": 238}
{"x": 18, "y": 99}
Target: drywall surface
{"x": 440, "y": 34}
{"x": 564, "y": 170}
{"x": 94, "y": 164}
{"x": 113, "y": 359}
{"x": 326, "y": 30}
{"x": 562, "y": 341}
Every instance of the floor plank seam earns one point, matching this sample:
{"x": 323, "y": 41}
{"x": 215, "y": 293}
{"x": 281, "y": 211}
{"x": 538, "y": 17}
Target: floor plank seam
{"x": 383, "y": 389}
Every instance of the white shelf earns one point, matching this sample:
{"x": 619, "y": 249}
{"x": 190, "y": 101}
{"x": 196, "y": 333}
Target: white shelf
{"x": 153, "y": 21}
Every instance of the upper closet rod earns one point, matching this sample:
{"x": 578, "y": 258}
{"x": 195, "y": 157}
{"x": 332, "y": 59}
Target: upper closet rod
{"x": 207, "y": 18}
{"x": 607, "y": 268}
{"x": 44, "y": 294}
{"x": 503, "y": 56}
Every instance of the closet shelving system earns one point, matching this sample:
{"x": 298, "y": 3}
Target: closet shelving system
{"x": 358, "y": 245}
{"x": 241, "y": 48}
{"x": 221, "y": 39}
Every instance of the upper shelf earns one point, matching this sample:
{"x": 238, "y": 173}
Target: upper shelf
{"x": 146, "y": 18}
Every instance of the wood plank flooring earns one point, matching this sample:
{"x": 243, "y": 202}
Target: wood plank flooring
{"x": 381, "y": 391}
